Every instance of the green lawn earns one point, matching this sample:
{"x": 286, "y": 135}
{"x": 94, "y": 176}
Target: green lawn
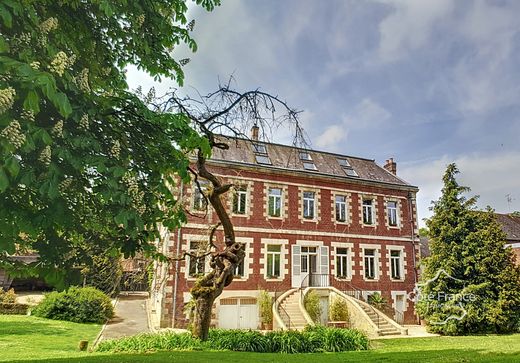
{"x": 26, "y": 339}
{"x": 29, "y": 337}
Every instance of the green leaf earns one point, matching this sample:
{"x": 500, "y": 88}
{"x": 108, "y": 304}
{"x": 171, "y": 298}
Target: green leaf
{"x": 121, "y": 218}
{"x": 13, "y": 166}
{"x": 32, "y": 102}
{"x": 4, "y": 47}
{"x": 4, "y": 180}
{"x": 63, "y": 104}
{"x": 6, "y": 16}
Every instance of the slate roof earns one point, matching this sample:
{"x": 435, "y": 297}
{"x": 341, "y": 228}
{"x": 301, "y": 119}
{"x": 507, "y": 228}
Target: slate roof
{"x": 510, "y": 225}
{"x": 242, "y": 151}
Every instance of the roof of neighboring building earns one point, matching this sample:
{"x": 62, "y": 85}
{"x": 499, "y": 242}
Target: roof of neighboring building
{"x": 243, "y": 151}
{"x": 510, "y": 225}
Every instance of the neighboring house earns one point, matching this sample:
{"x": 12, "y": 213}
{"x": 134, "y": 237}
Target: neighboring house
{"x": 307, "y": 219}
{"x": 511, "y": 226}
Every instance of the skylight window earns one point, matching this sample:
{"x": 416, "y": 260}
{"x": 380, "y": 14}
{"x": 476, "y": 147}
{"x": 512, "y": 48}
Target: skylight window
{"x": 260, "y": 149}
{"x": 347, "y": 168}
{"x": 305, "y": 156}
{"x": 309, "y": 165}
{"x": 262, "y": 159}
{"x": 343, "y": 162}
{"x": 350, "y": 172}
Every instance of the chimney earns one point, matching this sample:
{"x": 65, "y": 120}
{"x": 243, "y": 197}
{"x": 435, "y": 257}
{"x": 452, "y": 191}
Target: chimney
{"x": 254, "y": 132}
{"x": 391, "y": 166}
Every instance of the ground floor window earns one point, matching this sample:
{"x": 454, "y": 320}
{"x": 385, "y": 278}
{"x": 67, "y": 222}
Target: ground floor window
{"x": 342, "y": 262}
{"x": 370, "y": 263}
{"x": 274, "y": 253}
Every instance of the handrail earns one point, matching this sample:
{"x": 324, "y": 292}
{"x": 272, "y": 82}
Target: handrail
{"x": 360, "y": 292}
{"x": 286, "y": 315}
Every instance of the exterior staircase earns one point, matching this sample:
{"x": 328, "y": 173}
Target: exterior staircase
{"x": 385, "y": 328}
{"x": 290, "y": 312}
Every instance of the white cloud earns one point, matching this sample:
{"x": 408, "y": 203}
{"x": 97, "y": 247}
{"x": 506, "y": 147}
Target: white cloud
{"x": 331, "y": 137}
{"x": 409, "y": 25}
{"x": 367, "y": 114}
{"x": 490, "y": 176}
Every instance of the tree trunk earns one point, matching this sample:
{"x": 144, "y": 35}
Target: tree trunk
{"x": 202, "y": 316}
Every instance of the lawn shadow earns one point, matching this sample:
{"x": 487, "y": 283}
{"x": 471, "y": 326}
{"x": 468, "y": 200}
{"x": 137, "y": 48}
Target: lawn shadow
{"x": 41, "y": 327}
{"x": 444, "y": 356}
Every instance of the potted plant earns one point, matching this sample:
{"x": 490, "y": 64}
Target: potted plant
{"x": 265, "y": 303}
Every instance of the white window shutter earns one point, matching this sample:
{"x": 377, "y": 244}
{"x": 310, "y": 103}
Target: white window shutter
{"x": 324, "y": 260}
{"x": 296, "y": 260}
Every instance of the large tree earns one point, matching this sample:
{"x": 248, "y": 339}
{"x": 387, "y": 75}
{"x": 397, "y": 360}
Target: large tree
{"x": 82, "y": 159}
{"x": 233, "y": 113}
{"x": 470, "y": 281}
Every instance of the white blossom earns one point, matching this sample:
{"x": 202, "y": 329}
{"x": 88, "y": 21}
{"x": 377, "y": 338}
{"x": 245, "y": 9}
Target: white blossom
{"x": 49, "y": 25}
{"x": 13, "y": 134}
{"x": 6, "y": 99}
{"x": 59, "y": 63}
{"x": 83, "y": 122}
{"x": 45, "y": 155}
{"x": 57, "y": 129}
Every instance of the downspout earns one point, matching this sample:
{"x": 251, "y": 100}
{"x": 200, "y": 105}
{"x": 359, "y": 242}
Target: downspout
{"x": 177, "y": 263}
{"x": 412, "y": 225}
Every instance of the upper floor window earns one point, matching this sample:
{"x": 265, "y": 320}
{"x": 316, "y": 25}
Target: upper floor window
{"x": 197, "y": 260}
{"x": 305, "y": 156}
{"x": 240, "y": 200}
{"x": 370, "y": 263}
{"x": 368, "y": 211}
{"x": 395, "y": 264}
{"x": 239, "y": 269}
{"x": 200, "y": 201}
{"x": 342, "y": 262}
{"x": 309, "y": 205}
{"x": 274, "y": 254}
{"x": 274, "y": 203}
{"x": 341, "y": 208}
{"x": 391, "y": 207}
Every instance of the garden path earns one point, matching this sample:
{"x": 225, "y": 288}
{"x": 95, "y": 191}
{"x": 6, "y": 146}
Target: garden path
{"x": 130, "y": 317}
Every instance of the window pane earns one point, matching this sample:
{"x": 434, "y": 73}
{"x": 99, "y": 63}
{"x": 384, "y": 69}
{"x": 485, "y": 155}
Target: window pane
{"x": 259, "y": 148}
{"x": 277, "y": 265}
{"x": 262, "y": 159}
{"x": 309, "y": 166}
{"x": 274, "y": 248}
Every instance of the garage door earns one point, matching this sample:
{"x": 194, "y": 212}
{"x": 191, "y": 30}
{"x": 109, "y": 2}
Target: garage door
{"x": 238, "y": 313}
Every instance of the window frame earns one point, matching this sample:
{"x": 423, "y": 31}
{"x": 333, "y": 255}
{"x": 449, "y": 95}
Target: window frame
{"x": 345, "y": 211}
{"x": 197, "y": 262}
{"x": 395, "y": 211}
{"x": 275, "y": 198}
{"x": 396, "y": 261}
{"x": 241, "y": 191}
{"x": 308, "y": 200}
{"x": 199, "y": 200}
{"x": 272, "y": 255}
{"x": 343, "y": 263}
{"x": 370, "y": 272}
{"x": 372, "y": 211}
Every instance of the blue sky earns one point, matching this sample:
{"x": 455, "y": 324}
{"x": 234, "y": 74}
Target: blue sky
{"x": 425, "y": 82}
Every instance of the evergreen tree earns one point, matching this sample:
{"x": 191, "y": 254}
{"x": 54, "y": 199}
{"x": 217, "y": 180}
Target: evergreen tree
{"x": 470, "y": 282}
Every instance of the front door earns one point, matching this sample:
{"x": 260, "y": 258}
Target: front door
{"x": 310, "y": 266}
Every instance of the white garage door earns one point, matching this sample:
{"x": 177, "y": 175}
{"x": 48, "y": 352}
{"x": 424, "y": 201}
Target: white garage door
{"x": 238, "y": 313}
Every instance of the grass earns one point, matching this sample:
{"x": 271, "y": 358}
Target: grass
{"x": 29, "y": 339}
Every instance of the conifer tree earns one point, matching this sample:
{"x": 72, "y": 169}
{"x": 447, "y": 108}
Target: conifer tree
{"x": 470, "y": 282}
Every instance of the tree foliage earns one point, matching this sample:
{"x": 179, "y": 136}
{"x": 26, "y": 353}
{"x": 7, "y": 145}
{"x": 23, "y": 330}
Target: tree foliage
{"x": 470, "y": 264}
{"x": 82, "y": 159}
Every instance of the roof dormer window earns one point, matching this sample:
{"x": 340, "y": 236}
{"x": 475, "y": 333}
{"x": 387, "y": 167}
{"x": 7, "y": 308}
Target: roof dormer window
{"x": 260, "y": 149}
{"x": 347, "y": 168}
{"x": 309, "y": 165}
{"x": 305, "y": 156}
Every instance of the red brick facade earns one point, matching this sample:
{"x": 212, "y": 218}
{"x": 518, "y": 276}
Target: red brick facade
{"x": 257, "y": 230}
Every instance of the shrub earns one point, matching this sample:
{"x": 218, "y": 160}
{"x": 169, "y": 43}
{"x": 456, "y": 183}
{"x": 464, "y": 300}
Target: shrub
{"x": 377, "y": 301}
{"x": 8, "y": 297}
{"x": 238, "y": 340}
{"x": 337, "y": 340}
{"x": 13, "y": 309}
{"x": 79, "y": 305}
{"x": 338, "y": 310}
{"x": 265, "y": 302}
{"x": 311, "y": 302}
{"x": 150, "y": 342}
{"x": 311, "y": 340}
